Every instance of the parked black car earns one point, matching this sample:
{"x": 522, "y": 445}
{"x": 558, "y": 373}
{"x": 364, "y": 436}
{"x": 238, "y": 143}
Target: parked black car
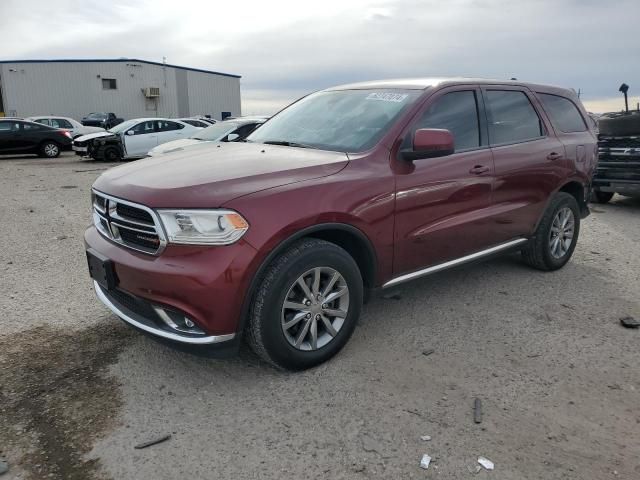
{"x": 101, "y": 119}
{"x": 618, "y": 168}
{"x": 23, "y": 137}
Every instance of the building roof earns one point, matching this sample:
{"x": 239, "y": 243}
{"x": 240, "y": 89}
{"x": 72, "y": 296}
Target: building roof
{"x": 120, "y": 60}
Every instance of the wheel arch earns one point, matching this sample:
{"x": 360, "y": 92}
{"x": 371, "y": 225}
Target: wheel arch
{"x": 577, "y": 190}
{"x": 352, "y": 239}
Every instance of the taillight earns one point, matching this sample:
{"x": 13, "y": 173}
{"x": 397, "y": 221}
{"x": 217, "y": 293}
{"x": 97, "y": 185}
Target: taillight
{"x": 66, "y": 133}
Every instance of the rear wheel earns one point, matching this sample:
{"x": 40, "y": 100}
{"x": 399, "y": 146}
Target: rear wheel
{"x": 602, "y": 197}
{"x": 49, "y": 149}
{"x": 307, "y": 305}
{"x": 556, "y": 236}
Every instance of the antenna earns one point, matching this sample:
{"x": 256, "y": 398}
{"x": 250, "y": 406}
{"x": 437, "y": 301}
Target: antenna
{"x": 624, "y": 88}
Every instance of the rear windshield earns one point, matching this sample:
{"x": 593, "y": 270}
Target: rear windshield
{"x": 97, "y": 116}
{"x": 340, "y": 120}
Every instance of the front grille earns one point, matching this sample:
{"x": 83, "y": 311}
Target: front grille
{"x": 129, "y": 224}
{"x": 127, "y": 211}
{"x": 618, "y": 160}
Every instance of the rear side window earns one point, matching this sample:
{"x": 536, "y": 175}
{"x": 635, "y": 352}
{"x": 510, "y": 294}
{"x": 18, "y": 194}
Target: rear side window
{"x": 60, "y": 123}
{"x": 512, "y": 118}
{"x": 44, "y": 121}
{"x": 563, "y": 112}
{"x": 458, "y": 113}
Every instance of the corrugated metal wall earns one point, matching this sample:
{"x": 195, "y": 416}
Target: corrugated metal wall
{"x": 75, "y": 88}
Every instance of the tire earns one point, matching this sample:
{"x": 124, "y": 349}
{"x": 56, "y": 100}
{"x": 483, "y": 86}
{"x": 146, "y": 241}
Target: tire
{"x": 49, "y": 149}
{"x": 543, "y": 252}
{"x": 267, "y": 333}
{"x": 601, "y": 197}
{"x": 112, "y": 154}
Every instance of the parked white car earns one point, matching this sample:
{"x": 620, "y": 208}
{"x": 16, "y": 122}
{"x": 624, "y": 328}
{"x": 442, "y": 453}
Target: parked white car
{"x": 75, "y": 128}
{"x": 227, "y": 131}
{"x": 132, "y": 139}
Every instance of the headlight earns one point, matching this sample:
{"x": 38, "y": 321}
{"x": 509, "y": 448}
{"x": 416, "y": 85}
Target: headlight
{"x": 203, "y": 227}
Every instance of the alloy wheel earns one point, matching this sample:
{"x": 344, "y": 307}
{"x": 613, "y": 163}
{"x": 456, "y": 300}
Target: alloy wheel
{"x": 315, "y": 308}
{"x": 51, "y": 150}
{"x": 561, "y": 233}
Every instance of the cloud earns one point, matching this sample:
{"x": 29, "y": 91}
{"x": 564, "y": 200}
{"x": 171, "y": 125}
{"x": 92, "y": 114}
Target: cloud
{"x": 284, "y": 49}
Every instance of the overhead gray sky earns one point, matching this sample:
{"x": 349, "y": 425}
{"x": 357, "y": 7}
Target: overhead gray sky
{"x": 284, "y": 49}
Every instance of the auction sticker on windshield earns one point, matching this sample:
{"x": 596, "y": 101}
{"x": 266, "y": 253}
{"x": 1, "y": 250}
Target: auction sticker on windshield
{"x": 387, "y": 97}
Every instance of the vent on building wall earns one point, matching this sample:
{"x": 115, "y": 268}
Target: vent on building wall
{"x": 151, "y": 92}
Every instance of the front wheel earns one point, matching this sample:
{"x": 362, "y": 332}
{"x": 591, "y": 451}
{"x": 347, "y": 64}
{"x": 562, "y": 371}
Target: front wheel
{"x": 556, "y": 236}
{"x": 307, "y": 305}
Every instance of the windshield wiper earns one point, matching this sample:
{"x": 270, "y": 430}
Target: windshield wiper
{"x": 286, "y": 143}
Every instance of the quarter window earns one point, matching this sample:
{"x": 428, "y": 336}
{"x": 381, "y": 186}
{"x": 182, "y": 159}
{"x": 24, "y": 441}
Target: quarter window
{"x": 109, "y": 84}
{"x": 512, "y": 118}
{"x": 563, "y": 112}
{"x": 458, "y": 113}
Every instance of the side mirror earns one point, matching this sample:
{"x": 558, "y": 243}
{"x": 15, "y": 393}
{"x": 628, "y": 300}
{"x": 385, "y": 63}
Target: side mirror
{"x": 232, "y": 137}
{"x": 430, "y": 143}
{"x": 130, "y": 132}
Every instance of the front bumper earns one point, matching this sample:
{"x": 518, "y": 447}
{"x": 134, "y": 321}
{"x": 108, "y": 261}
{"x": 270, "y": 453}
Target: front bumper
{"x": 207, "y": 285}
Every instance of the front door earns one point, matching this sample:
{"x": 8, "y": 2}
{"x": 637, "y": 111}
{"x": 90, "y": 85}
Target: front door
{"x": 144, "y": 138}
{"x": 443, "y": 204}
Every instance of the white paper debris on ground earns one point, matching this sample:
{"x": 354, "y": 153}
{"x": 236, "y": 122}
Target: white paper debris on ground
{"x": 426, "y": 460}
{"x": 425, "y": 438}
{"x": 486, "y": 463}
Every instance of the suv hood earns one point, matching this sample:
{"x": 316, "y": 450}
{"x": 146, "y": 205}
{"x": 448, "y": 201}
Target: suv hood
{"x": 212, "y": 174}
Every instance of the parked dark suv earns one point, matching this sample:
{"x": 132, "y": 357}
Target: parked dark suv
{"x": 350, "y": 189}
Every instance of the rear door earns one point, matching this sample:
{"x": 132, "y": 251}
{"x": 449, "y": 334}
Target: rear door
{"x": 571, "y": 128}
{"x": 169, "y": 131}
{"x": 143, "y": 139}
{"x": 442, "y": 203}
{"x": 529, "y": 160}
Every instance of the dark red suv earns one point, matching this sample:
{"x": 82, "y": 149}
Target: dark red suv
{"x": 278, "y": 239}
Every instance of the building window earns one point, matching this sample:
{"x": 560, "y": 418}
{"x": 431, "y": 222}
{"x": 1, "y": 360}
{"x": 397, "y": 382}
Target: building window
{"x": 109, "y": 84}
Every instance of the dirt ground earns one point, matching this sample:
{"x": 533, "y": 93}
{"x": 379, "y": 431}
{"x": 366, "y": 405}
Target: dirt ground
{"x": 545, "y": 352}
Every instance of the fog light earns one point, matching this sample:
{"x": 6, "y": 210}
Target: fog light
{"x": 177, "y": 321}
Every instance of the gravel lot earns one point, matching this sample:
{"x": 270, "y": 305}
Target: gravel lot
{"x": 556, "y": 373}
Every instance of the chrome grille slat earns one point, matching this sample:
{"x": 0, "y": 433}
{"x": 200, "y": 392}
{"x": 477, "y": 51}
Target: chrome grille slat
{"x": 133, "y": 233}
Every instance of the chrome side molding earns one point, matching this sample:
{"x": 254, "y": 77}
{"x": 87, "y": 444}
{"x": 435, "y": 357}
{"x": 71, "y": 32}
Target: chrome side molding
{"x": 453, "y": 263}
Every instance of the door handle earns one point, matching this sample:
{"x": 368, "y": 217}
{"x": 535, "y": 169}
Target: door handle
{"x": 479, "y": 169}
{"x": 554, "y": 156}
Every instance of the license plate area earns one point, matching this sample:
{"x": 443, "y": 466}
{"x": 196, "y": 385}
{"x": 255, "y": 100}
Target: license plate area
{"x": 101, "y": 270}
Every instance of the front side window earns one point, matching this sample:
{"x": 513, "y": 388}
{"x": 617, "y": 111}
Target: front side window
{"x": 215, "y": 132}
{"x": 143, "y": 128}
{"x": 563, "y": 112}
{"x": 109, "y": 84}
{"x": 337, "y": 120}
{"x": 512, "y": 118}
{"x": 458, "y": 113}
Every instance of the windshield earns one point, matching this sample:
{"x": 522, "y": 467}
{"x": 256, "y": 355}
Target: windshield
{"x": 124, "y": 126}
{"x": 341, "y": 120}
{"x": 215, "y": 132}
{"x": 98, "y": 115}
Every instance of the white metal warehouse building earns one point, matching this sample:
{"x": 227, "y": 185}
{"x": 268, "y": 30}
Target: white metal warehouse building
{"x": 130, "y": 88}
